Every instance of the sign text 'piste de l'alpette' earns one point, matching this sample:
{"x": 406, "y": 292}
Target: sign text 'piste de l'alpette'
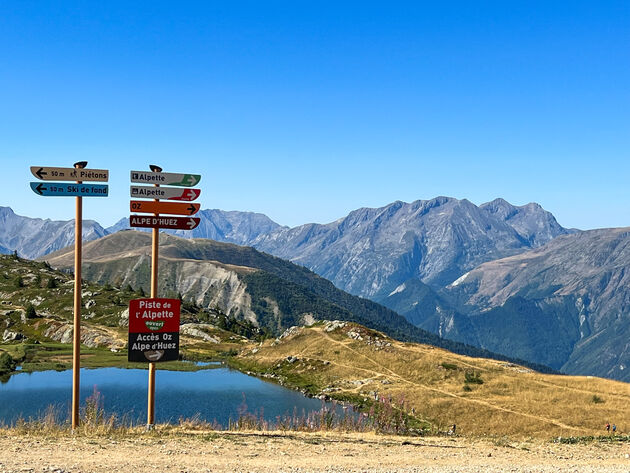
{"x": 154, "y": 330}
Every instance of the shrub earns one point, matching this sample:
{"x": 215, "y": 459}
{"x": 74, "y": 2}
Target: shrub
{"x": 449, "y": 366}
{"x": 19, "y": 282}
{"x": 52, "y": 284}
{"x": 597, "y": 400}
{"x": 6, "y": 363}
{"x": 31, "y": 313}
{"x": 472, "y": 377}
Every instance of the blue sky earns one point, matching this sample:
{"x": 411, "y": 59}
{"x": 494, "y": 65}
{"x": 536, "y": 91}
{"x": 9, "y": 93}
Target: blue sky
{"x": 305, "y": 111}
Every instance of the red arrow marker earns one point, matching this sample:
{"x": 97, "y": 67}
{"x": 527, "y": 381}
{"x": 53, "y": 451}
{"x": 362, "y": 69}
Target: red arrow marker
{"x": 190, "y": 194}
{"x": 172, "y": 223}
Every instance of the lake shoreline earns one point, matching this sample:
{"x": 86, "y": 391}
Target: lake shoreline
{"x": 211, "y": 393}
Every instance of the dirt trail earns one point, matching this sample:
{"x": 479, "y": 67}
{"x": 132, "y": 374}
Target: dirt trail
{"x": 300, "y": 452}
{"x": 393, "y": 374}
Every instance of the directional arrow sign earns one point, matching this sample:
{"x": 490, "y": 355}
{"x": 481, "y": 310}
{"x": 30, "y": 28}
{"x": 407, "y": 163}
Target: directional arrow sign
{"x": 168, "y": 193}
{"x": 152, "y": 207}
{"x": 172, "y": 223}
{"x": 165, "y": 178}
{"x": 69, "y": 174}
{"x": 69, "y": 190}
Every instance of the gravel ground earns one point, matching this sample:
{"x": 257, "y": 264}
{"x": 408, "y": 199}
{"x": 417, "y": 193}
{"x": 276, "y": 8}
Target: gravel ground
{"x": 254, "y": 452}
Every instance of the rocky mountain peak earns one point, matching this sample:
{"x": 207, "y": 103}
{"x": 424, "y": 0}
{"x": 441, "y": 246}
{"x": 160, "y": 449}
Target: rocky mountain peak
{"x": 533, "y": 223}
{"x": 500, "y": 208}
{"x": 435, "y": 240}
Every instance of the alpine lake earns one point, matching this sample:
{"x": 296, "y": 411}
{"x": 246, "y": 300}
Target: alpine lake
{"x": 213, "y": 393}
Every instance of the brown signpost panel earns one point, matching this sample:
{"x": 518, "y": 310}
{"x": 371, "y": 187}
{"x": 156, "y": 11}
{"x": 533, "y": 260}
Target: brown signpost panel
{"x": 153, "y": 207}
{"x": 154, "y": 330}
{"x": 47, "y": 173}
{"x": 172, "y": 223}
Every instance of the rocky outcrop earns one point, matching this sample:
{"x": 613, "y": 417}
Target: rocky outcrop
{"x": 10, "y": 336}
{"x": 199, "y": 331}
{"x": 90, "y": 336}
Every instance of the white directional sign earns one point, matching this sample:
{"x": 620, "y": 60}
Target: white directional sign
{"x": 165, "y": 178}
{"x": 70, "y": 174}
{"x": 168, "y": 193}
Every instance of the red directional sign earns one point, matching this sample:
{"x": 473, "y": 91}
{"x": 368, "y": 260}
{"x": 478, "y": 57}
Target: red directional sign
{"x": 167, "y": 193}
{"x": 172, "y": 223}
{"x": 153, "y": 330}
{"x": 152, "y": 207}
{"x": 154, "y": 315}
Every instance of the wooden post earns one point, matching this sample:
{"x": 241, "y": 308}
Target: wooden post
{"x": 155, "y": 241}
{"x": 76, "y": 337}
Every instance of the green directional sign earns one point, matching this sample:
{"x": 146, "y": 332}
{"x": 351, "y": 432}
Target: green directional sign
{"x": 165, "y": 178}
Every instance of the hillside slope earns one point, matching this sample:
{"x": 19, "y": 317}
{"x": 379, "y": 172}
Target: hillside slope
{"x": 339, "y": 359}
{"x": 242, "y": 282}
{"x": 566, "y": 304}
{"x": 349, "y": 362}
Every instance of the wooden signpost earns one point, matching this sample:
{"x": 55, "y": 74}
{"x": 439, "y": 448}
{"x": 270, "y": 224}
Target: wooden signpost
{"x": 78, "y": 173}
{"x": 156, "y": 339}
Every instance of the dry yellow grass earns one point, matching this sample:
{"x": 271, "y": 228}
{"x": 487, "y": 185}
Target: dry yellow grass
{"x": 511, "y": 401}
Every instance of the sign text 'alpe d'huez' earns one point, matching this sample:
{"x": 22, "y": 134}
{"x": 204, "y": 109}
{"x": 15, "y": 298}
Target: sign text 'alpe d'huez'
{"x": 154, "y": 330}
{"x": 154, "y": 322}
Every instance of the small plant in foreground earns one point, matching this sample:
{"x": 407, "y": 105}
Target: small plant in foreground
{"x": 472, "y": 377}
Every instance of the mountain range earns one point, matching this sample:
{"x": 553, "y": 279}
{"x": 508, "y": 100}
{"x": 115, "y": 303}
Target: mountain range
{"x": 435, "y": 241}
{"x": 565, "y": 304}
{"x": 423, "y": 260}
{"x": 34, "y": 237}
{"x": 243, "y": 283}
